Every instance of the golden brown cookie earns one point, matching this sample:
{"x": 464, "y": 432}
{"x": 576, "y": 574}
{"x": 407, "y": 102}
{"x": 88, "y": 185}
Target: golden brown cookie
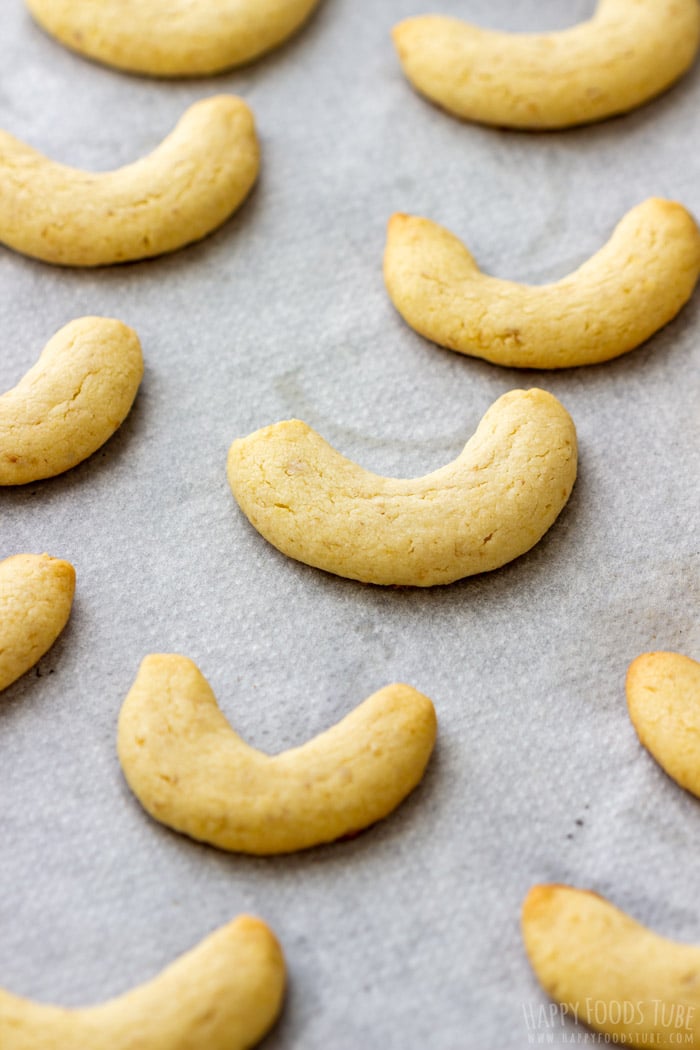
{"x": 172, "y": 38}
{"x": 36, "y": 595}
{"x": 74, "y": 398}
{"x": 225, "y": 994}
{"x": 623, "y": 294}
{"x": 191, "y": 771}
{"x": 198, "y": 176}
{"x": 629, "y": 52}
{"x": 610, "y": 972}
{"x": 663, "y": 699}
{"x": 489, "y": 506}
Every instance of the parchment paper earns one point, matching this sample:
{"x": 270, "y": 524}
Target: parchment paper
{"x": 407, "y": 937}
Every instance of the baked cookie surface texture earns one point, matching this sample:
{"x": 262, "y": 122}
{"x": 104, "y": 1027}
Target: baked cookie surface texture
{"x": 71, "y": 401}
{"x": 225, "y": 994}
{"x": 626, "y": 54}
{"x": 663, "y": 699}
{"x": 612, "y": 973}
{"x": 36, "y": 596}
{"x": 615, "y": 301}
{"x": 172, "y": 38}
{"x": 191, "y": 771}
{"x": 489, "y": 506}
{"x": 187, "y": 187}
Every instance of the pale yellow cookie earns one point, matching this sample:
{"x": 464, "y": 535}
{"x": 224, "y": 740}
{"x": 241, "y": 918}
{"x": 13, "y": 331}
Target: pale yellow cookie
{"x": 609, "y": 971}
{"x": 619, "y": 298}
{"x": 225, "y": 994}
{"x": 182, "y": 191}
{"x": 191, "y": 771}
{"x": 36, "y": 595}
{"x": 629, "y": 52}
{"x": 663, "y": 698}
{"x": 487, "y": 507}
{"x": 172, "y": 38}
{"x": 77, "y": 394}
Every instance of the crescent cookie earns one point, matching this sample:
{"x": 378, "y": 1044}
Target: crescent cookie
{"x": 198, "y": 176}
{"x": 172, "y": 38}
{"x": 609, "y": 971}
{"x": 489, "y": 506}
{"x": 615, "y": 301}
{"x": 74, "y": 398}
{"x": 663, "y": 699}
{"x": 629, "y": 52}
{"x": 191, "y": 771}
{"x": 225, "y": 994}
{"x": 36, "y": 595}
